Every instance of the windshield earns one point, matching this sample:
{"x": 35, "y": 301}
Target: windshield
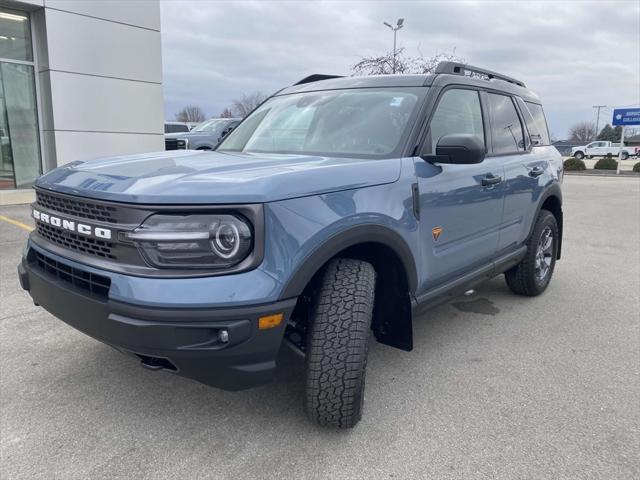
{"x": 175, "y": 128}
{"x": 369, "y": 123}
{"x": 214, "y": 126}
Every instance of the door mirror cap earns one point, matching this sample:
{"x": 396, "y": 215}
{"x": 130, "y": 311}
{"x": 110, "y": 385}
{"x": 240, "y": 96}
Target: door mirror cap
{"x": 458, "y": 149}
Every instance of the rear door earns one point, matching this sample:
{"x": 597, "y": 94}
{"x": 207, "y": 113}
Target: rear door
{"x": 597, "y": 149}
{"x": 522, "y": 147}
{"x": 460, "y": 212}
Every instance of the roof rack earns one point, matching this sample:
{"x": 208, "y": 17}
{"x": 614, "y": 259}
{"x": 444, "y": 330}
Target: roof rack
{"x": 316, "y": 77}
{"x": 455, "y": 68}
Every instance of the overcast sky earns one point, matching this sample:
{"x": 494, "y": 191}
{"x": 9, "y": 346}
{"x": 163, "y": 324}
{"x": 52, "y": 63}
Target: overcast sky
{"x": 573, "y": 54}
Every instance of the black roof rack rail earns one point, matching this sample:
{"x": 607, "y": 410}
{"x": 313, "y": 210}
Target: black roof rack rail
{"x": 317, "y": 77}
{"x": 455, "y": 68}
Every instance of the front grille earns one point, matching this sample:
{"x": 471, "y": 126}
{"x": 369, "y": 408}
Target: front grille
{"x": 174, "y": 144}
{"x": 79, "y": 243}
{"x": 77, "y": 208}
{"x": 91, "y": 283}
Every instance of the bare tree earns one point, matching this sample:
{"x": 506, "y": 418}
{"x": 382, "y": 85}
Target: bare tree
{"x": 383, "y": 64}
{"x": 226, "y": 113}
{"x": 582, "y": 132}
{"x": 243, "y": 106}
{"x": 191, "y": 113}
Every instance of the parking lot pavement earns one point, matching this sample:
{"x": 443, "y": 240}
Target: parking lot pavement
{"x": 498, "y": 386}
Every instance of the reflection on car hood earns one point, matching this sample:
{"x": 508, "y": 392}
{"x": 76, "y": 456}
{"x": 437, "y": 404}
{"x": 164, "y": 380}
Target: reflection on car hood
{"x": 181, "y": 177}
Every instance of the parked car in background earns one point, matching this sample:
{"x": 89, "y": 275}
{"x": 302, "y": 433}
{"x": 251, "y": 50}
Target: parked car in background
{"x": 602, "y": 149}
{"x": 176, "y": 127}
{"x": 171, "y": 129}
{"x": 204, "y": 136}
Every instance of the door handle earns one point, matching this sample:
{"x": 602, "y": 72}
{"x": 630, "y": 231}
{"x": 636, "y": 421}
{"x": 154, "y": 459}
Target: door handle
{"x": 490, "y": 180}
{"x": 536, "y": 172}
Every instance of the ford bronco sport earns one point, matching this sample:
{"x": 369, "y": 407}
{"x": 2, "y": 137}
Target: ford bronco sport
{"x": 338, "y": 210}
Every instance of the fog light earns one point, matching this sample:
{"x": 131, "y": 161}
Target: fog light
{"x": 223, "y": 335}
{"x": 270, "y": 321}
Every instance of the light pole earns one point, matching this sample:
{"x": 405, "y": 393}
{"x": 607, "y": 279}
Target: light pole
{"x": 395, "y": 29}
{"x": 598, "y": 118}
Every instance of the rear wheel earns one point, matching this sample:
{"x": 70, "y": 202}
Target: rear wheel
{"x": 533, "y": 274}
{"x": 625, "y": 155}
{"x": 337, "y": 344}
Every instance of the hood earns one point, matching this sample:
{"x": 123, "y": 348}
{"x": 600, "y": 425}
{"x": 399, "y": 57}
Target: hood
{"x": 186, "y": 134}
{"x": 196, "y": 177}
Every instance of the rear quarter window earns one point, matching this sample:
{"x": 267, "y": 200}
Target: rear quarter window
{"x": 539, "y": 126}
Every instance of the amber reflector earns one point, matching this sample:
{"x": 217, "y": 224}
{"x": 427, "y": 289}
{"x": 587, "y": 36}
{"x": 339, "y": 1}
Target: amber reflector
{"x": 270, "y": 321}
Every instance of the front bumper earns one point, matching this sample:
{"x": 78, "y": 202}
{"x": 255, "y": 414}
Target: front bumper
{"x": 187, "y": 341}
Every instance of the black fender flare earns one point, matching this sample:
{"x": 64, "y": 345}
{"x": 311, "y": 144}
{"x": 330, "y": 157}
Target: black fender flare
{"x": 366, "y": 233}
{"x": 553, "y": 190}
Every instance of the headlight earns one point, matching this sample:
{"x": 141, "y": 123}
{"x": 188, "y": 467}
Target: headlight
{"x": 193, "y": 241}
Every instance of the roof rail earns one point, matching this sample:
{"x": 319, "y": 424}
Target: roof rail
{"x": 455, "y": 68}
{"x": 316, "y": 77}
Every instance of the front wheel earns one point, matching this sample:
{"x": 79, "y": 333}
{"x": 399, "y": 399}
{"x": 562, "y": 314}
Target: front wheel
{"x": 338, "y": 343}
{"x": 625, "y": 155}
{"x": 533, "y": 274}
{"x": 579, "y": 155}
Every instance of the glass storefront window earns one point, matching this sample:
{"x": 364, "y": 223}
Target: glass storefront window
{"x": 15, "y": 35}
{"x": 19, "y": 143}
{"x": 20, "y": 158}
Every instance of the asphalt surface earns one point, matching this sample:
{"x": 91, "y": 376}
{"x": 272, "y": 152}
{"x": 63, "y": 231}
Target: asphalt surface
{"x": 498, "y": 386}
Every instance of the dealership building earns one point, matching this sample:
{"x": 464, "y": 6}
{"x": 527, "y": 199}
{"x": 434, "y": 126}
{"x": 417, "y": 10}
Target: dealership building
{"x": 78, "y": 80}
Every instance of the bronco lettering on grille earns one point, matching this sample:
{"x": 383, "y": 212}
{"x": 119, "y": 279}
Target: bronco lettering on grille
{"x": 72, "y": 226}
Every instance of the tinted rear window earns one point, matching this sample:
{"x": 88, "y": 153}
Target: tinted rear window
{"x": 540, "y": 123}
{"x": 171, "y": 128}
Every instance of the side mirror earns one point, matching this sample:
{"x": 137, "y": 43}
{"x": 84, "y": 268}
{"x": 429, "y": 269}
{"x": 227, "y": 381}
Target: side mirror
{"x": 459, "y": 149}
{"x": 224, "y": 133}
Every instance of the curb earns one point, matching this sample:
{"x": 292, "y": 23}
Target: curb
{"x": 586, "y": 173}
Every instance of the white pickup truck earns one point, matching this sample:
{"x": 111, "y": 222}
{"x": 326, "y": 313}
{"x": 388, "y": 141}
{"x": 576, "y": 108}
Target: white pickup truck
{"x": 602, "y": 149}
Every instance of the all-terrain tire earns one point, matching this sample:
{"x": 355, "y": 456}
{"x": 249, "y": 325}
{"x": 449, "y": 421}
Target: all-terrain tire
{"x": 523, "y": 279}
{"x": 338, "y": 343}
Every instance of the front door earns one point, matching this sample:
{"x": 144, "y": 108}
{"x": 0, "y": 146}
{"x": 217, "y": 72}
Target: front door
{"x": 460, "y": 205}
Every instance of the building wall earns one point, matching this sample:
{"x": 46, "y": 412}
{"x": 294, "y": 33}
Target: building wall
{"x": 99, "y": 71}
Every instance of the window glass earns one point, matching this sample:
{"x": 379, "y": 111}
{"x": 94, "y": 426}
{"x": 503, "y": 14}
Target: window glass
{"x": 15, "y": 35}
{"x": 362, "y": 122}
{"x": 506, "y": 130}
{"x": 20, "y": 152}
{"x": 540, "y": 122}
{"x": 457, "y": 112}
{"x": 175, "y": 128}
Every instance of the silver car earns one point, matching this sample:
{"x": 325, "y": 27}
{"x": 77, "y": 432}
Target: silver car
{"x": 204, "y": 136}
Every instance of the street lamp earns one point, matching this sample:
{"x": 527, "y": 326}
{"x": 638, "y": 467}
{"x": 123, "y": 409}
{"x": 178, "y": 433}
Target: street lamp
{"x": 395, "y": 29}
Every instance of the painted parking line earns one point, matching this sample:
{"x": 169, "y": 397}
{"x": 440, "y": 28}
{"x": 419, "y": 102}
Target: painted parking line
{"x": 24, "y": 226}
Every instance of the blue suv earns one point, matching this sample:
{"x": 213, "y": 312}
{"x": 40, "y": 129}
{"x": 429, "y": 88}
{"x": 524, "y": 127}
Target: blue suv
{"x": 338, "y": 210}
